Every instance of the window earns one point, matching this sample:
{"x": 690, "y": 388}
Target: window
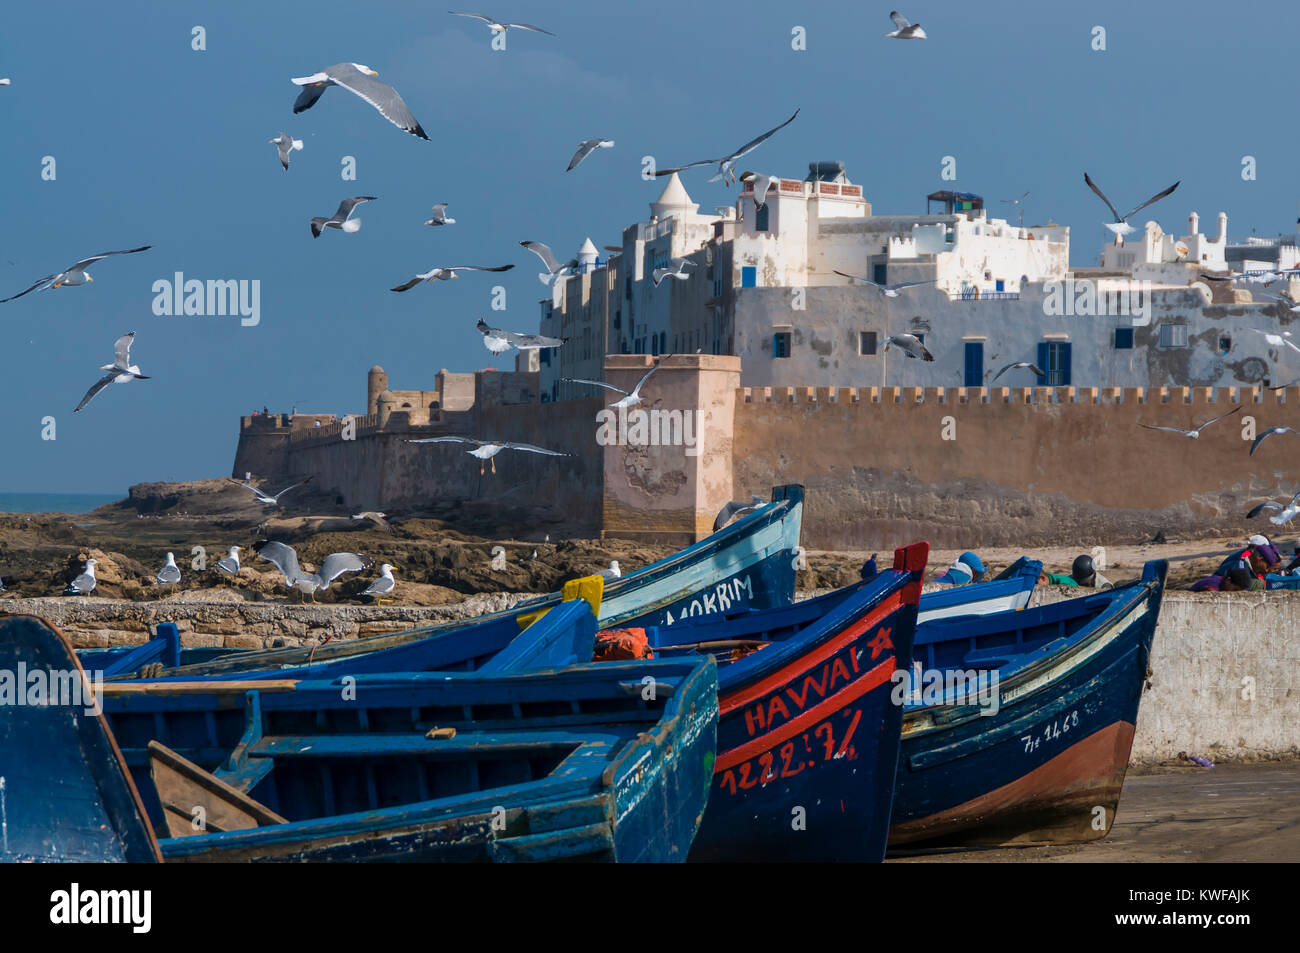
{"x": 866, "y": 343}
{"x": 748, "y": 277}
{"x": 1054, "y": 361}
{"x": 1000, "y": 286}
{"x": 1225, "y": 343}
{"x": 761, "y": 219}
{"x": 1123, "y": 339}
{"x": 781, "y": 344}
{"x": 974, "y": 371}
{"x": 878, "y": 273}
{"x": 1173, "y": 335}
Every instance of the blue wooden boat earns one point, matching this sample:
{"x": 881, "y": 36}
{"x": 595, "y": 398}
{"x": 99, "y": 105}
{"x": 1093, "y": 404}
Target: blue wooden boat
{"x": 64, "y": 790}
{"x": 1048, "y": 765}
{"x": 510, "y": 763}
{"x": 1010, "y": 589}
{"x": 749, "y": 564}
{"x": 807, "y": 737}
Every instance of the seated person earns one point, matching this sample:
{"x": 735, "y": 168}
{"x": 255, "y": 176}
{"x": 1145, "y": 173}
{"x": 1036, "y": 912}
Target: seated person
{"x": 1056, "y": 579}
{"x": 967, "y": 568}
{"x": 869, "y": 571}
{"x": 1259, "y": 558}
{"x": 1085, "y": 574}
{"x": 1237, "y": 579}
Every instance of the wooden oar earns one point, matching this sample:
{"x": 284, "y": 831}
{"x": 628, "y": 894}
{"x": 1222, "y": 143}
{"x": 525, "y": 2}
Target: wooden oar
{"x": 719, "y": 645}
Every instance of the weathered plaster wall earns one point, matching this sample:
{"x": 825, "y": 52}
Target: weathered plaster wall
{"x": 1225, "y": 677}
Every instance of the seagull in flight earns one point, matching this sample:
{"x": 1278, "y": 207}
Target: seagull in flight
{"x": 286, "y": 560}
{"x": 736, "y": 508}
{"x": 74, "y": 274}
{"x": 358, "y": 79}
{"x": 170, "y": 574}
{"x": 1120, "y": 227}
{"x": 1287, "y": 515}
{"x": 376, "y": 518}
{"x": 889, "y": 291}
{"x": 760, "y": 185}
{"x": 909, "y": 344}
{"x": 1282, "y": 386}
{"x": 1029, "y": 365}
{"x": 1278, "y": 339}
{"x": 446, "y": 274}
{"x": 554, "y": 269}
{"x": 488, "y": 449}
{"x": 286, "y": 144}
{"x": 676, "y": 269}
{"x": 266, "y": 498}
{"x": 120, "y": 371}
{"x": 1194, "y": 434}
{"x": 586, "y": 148}
{"x": 906, "y": 30}
{"x": 1268, "y": 433}
{"x": 498, "y": 27}
{"x": 440, "y": 216}
{"x": 1286, "y": 299}
{"x": 727, "y": 163}
{"x": 342, "y": 219}
{"x": 229, "y": 563}
{"x": 630, "y": 398}
{"x": 497, "y": 340}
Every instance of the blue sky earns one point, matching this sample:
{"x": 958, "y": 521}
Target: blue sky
{"x": 158, "y": 144}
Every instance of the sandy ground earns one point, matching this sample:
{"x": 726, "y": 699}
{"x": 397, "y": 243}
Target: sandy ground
{"x": 1238, "y": 813}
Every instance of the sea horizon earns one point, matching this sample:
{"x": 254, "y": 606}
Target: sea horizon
{"x": 55, "y": 502}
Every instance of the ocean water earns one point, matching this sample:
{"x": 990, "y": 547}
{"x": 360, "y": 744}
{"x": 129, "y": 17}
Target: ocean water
{"x": 54, "y": 502}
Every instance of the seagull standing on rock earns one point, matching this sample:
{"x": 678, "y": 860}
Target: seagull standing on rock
{"x": 170, "y": 574}
{"x": 85, "y": 583}
{"x": 382, "y": 586}
{"x": 229, "y": 564}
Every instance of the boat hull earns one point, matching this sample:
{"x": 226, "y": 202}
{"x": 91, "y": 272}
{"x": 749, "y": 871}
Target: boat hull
{"x": 808, "y": 744}
{"x": 1048, "y": 766}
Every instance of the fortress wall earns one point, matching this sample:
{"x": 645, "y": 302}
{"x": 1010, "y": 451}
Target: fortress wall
{"x": 381, "y": 470}
{"x": 671, "y": 492}
{"x": 1024, "y": 466}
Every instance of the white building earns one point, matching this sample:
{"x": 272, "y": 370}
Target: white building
{"x": 764, "y": 287}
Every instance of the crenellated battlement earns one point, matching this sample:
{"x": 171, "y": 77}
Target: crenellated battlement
{"x": 1190, "y": 396}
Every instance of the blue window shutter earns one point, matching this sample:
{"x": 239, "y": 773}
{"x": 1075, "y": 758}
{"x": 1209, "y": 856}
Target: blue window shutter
{"x": 1065, "y": 364}
{"x": 760, "y": 220}
{"x": 1042, "y": 363}
{"x": 748, "y": 277}
{"x": 974, "y": 376}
